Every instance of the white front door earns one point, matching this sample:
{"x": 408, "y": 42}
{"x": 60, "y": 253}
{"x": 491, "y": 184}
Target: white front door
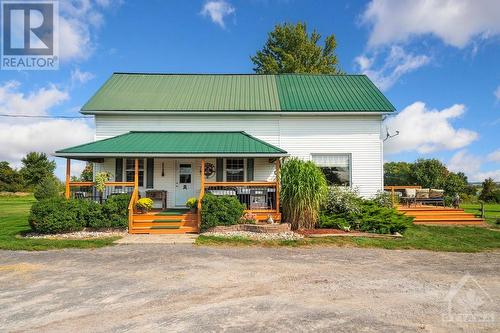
{"x": 184, "y": 188}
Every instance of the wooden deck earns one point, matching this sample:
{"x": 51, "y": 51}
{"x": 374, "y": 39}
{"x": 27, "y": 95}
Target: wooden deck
{"x": 441, "y": 216}
{"x": 171, "y": 221}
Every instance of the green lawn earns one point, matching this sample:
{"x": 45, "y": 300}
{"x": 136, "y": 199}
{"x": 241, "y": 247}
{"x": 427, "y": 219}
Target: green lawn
{"x": 14, "y": 213}
{"x": 492, "y": 212}
{"x": 452, "y": 239}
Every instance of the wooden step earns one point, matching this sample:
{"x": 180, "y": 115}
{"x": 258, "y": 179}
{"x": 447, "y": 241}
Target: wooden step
{"x": 181, "y": 230}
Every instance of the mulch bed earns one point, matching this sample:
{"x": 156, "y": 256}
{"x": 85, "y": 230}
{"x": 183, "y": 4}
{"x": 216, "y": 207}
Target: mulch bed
{"x": 342, "y": 233}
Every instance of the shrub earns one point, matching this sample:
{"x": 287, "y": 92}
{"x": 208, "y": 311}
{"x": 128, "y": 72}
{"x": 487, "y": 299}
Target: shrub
{"x": 383, "y": 199}
{"x": 89, "y": 212}
{"x": 303, "y": 189}
{"x": 220, "y": 210}
{"x": 192, "y": 203}
{"x": 115, "y": 211}
{"x": 55, "y": 215}
{"x": 345, "y": 210}
{"x": 144, "y": 204}
{"x": 49, "y": 187}
{"x": 342, "y": 200}
{"x": 382, "y": 220}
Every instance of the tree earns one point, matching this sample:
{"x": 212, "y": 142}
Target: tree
{"x": 456, "y": 183}
{"x": 48, "y": 188}
{"x": 10, "y": 179}
{"x": 398, "y": 173}
{"x": 36, "y": 167}
{"x": 87, "y": 173}
{"x": 429, "y": 173}
{"x": 488, "y": 191}
{"x": 290, "y": 49}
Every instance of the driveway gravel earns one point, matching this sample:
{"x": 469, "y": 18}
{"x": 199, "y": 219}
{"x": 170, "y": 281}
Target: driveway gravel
{"x": 183, "y": 287}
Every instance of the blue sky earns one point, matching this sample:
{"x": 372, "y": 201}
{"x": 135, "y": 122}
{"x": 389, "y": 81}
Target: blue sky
{"x": 436, "y": 61}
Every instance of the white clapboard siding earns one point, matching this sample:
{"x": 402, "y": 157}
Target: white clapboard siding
{"x": 300, "y": 136}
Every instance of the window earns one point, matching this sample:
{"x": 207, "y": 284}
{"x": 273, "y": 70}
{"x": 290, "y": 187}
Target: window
{"x": 185, "y": 173}
{"x": 336, "y": 167}
{"x": 235, "y": 170}
{"x": 130, "y": 170}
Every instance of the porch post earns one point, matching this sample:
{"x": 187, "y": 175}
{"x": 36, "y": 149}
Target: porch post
{"x": 202, "y": 192}
{"x": 278, "y": 166}
{"x": 67, "y": 192}
{"x": 136, "y": 175}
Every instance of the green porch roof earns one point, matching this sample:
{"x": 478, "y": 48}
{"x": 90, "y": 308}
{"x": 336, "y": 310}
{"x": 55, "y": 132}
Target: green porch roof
{"x": 173, "y": 144}
{"x": 238, "y": 93}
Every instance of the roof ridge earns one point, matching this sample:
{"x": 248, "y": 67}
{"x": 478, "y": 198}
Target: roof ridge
{"x": 233, "y": 74}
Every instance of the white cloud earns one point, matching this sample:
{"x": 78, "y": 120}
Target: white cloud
{"x": 19, "y": 136}
{"x": 78, "y": 21}
{"x": 464, "y": 162}
{"x": 471, "y": 165}
{"x": 455, "y": 22}
{"x": 497, "y": 93}
{"x": 396, "y": 64}
{"x": 494, "y": 156}
{"x": 217, "y": 10}
{"x": 77, "y": 76}
{"x": 427, "y": 130}
{"x": 481, "y": 176}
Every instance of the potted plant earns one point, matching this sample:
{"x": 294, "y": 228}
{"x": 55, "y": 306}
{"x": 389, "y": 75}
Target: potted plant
{"x": 192, "y": 204}
{"x": 144, "y": 205}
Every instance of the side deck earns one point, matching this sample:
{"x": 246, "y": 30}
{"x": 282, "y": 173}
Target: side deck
{"x": 441, "y": 216}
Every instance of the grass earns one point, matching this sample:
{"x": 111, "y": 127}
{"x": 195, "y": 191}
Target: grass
{"x": 14, "y": 213}
{"x": 449, "y": 239}
{"x": 491, "y": 211}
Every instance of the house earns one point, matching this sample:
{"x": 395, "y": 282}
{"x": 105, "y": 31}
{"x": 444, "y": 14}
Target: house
{"x": 177, "y": 136}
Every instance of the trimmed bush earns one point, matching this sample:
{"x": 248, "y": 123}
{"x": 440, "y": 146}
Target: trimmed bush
{"x": 220, "y": 210}
{"x": 303, "y": 190}
{"x": 58, "y": 215}
{"x": 55, "y": 215}
{"x": 115, "y": 211}
{"x": 345, "y": 210}
{"x": 49, "y": 187}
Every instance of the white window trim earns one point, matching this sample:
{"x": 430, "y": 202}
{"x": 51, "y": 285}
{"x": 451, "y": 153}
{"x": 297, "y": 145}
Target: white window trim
{"x": 235, "y": 158}
{"x": 144, "y": 170}
{"x": 338, "y": 154}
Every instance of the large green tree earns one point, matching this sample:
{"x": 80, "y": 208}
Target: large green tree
{"x": 429, "y": 173}
{"x": 10, "y": 179}
{"x": 36, "y": 167}
{"x": 291, "y": 49}
{"x": 488, "y": 191}
{"x": 398, "y": 173}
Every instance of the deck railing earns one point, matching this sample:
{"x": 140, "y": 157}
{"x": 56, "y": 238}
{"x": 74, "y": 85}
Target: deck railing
{"x": 88, "y": 190}
{"x": 399, "y": 188}
{"x": 256, "y": 196}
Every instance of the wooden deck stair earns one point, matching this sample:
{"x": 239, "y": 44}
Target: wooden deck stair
{"x": 441, "y": 216}
{"x": 173, "y": 221}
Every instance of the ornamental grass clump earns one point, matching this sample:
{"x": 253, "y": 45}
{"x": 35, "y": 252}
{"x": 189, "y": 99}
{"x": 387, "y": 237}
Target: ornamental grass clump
{"x": 303, "y": 190}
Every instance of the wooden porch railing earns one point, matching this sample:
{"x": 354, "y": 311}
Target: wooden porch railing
{"x": 394, "y": 188}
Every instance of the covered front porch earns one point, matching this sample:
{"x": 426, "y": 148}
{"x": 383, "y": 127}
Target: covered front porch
{"x": 183, "y": 165}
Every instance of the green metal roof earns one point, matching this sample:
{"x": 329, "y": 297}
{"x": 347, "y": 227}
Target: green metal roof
{"x": 175, "y": 144}
{"x": 239, "y": 93}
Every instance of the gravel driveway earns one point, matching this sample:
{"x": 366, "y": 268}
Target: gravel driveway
{"x": 188, "y": 288}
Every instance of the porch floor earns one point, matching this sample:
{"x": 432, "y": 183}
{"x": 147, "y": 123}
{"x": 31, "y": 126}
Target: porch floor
{"x": 170, "y": 221}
